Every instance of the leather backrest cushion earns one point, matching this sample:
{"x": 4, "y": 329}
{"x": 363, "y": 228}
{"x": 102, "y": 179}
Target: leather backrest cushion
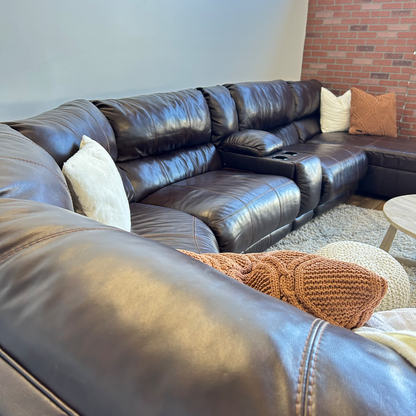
{"x": 307, "y": 97}
{"x": 224, "y": 118}
{"x": 307, "y": 128}
{"x": 59, "y": 131}
{"x": 154, "y": 172}
{"x": 288, "y": 134}
{"x": 263, "y": 105}
{"x": 28, "y": 172}
{"x": 150, "y": 125}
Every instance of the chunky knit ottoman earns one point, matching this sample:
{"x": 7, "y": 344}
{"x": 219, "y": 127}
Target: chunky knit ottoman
{"x": 378, "y": 261}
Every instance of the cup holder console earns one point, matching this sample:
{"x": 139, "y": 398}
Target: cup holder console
{"x": 284, "y": 155}
{"x": 280, "y": 157}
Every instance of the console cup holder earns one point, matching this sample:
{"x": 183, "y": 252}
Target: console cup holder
{"x": 280, "y": 157}
{"x": 290, "y": 153}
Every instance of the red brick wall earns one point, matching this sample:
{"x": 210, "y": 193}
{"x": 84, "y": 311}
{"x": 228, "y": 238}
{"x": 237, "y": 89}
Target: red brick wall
{"x": 368, "y": 44}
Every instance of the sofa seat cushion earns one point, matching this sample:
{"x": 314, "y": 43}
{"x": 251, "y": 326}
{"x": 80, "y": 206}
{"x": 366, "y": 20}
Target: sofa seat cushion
{"x": 383, "y": 151}
{"x": 240, "y": 208}
{"x": 176, "y": 229}
{"x": 342, "y": 167}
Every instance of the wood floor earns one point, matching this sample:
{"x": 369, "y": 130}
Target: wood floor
{"x": 366, "y": 202}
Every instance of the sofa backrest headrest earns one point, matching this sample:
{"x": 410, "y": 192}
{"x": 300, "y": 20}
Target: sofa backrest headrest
{"x": 152, "y": 173}
{"x": 307, "y": 96}
{"x": 150, "y": 125}
{"x": 224, "y": 118}
{"x": 263, "y": 105}
{"x": 28, "y": 172}
{"x": 59, "y": 131}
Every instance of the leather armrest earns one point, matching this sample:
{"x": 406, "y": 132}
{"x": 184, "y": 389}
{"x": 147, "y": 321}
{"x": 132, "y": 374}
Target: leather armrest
{"x": 104, "y": 322}
{"x": 252, "y": 142}
{"x": 305, "y": 170}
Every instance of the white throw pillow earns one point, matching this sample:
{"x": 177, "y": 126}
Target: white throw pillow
{"x": 335, "y": 111}
{"x": 96, "y": 186}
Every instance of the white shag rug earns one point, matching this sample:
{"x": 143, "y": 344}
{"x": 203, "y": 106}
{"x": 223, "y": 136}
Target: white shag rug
{"x": 350, "y": 223}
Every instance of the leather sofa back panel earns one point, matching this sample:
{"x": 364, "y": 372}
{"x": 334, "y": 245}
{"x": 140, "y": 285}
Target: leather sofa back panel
{"x": 150, "y": 125}
{"x": 19, "y": 397}
{"x": 152, "y": 173}
{"x": 287, "y": 134}
{"x": 224, "y": 118}
{"x": 59, "y": 131}
{"x": 307, "y": 128}
{"x": 28, "y": 172}
{"x": 307, "y": 97}
{"x": 263, "y": 105}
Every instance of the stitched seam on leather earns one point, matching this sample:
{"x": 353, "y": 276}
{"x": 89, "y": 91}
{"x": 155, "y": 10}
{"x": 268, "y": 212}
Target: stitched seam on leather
{"x": 170, "y": 235}
{"x": 28, "y": 140}
{"x": 311, "y": 391}
{"x": 194, "y": 235}
{"x": 20, "y": 137}
{"x": 299, "y": 389}
{"x": 162, "y": 168}
{"x": 272, "y": 188}
{"x": 356, "y": 165}
{"x": 261, "y": 181}
{"x": 48, "y": 237}
{"x": 216, "y": 222}
{"x": 208, "y": 190}
{"x": 254, "y": 200}
{"x": 36, "y": 384}
{"x": 99, "y": 125}
{"x": 239, "y": 146}
{"x": 38, "y": 164}
{"x": 152, "y": 120}
{"x": 186, "y": 164}
{"x": 63, "y": 125}
{"x": 188, "y": 117}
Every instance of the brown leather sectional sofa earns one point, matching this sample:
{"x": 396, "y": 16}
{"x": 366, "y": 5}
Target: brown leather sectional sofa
{"x": 98, "y": 321}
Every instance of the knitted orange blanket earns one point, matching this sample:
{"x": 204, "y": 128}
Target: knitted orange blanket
{"x": 341, "y": 293}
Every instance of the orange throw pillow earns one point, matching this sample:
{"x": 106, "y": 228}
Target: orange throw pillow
{"x": 373, "y": 115}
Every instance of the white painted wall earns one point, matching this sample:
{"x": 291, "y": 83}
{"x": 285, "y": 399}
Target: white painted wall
{"x": 52, "y": 51}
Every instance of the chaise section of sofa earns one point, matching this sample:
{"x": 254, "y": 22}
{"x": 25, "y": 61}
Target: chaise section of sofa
{"x": 392, "y": 161}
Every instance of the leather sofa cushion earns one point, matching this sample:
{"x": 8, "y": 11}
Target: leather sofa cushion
{"x": 240, "y": 208}
{"x": 383, "y": 151}
{"x": 149, "y": 125}
{"x": 224, "y": 118}
{"x": 152, "y": 173}
{"x": 342, "y": 167}
{"x": 307, "y": 97}
{"x": 176, "y": 229}
{"x": 59, "y": 131}
{"x": 28, "y": 172}
{"x": 263, "y": 105}
{"x": 288, "y": 134}
{"x": 307, "y": 128}
{"x": 252, "y": 142}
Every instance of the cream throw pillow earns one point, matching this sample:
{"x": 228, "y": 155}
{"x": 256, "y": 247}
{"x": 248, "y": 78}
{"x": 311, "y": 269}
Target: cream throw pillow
{"x": 96, "y": 186}
{"x": 335, "y": 111}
